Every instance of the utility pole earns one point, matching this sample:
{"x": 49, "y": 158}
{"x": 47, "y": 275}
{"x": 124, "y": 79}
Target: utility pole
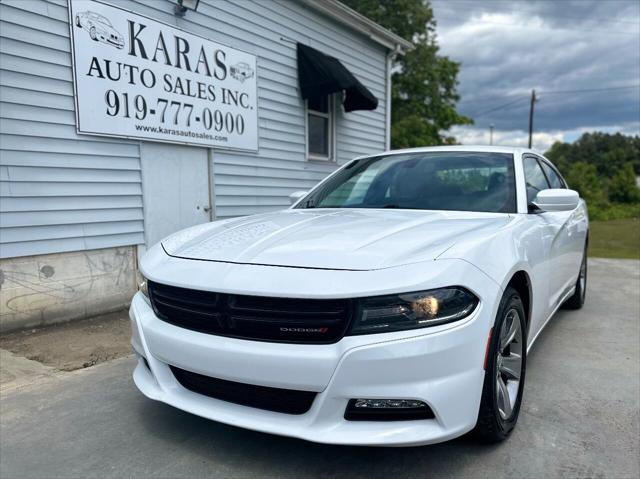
{"x": 491, "y": 134}
{"x": 533, "y": 102}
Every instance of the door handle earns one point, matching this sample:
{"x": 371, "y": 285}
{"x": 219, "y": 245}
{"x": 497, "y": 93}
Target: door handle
{"x": 206, "y": 209}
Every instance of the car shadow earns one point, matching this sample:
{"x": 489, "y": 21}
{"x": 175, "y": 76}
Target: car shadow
{"x": 249, "y": 453}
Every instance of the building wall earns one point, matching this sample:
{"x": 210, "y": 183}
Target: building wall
{"x": 64, "y": 192}
{"x": 246, "y": 184}
{"x": 59, "y": 191}
{"x": 67, "y": 192}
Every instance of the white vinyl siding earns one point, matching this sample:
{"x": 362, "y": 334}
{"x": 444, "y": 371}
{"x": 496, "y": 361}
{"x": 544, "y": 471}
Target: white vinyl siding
{"x": 247, "y": 183}
{"x": 61, "y": 191}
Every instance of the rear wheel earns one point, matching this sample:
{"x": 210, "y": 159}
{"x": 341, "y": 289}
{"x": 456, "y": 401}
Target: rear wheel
{"x": 505, "y": 371}
{"x": 577, "y": 300}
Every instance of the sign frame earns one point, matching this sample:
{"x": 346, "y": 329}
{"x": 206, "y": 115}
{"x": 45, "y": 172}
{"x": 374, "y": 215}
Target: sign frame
{"x": 76, "y": 99}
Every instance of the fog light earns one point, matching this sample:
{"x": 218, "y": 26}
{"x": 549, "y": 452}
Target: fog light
{"x": 387, "y": 410}
{"x": 388, "y": 403}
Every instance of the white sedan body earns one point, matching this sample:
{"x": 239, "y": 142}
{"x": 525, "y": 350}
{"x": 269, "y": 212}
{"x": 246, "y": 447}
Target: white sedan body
{"x": 339, "y": 253}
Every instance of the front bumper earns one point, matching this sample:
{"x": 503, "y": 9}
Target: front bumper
{"x": 442, "y": 366}
{"x": 116, "y": 42}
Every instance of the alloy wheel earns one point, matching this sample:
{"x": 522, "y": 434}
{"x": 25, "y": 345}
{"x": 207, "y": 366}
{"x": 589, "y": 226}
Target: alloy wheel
{"x": 509, "y": 363}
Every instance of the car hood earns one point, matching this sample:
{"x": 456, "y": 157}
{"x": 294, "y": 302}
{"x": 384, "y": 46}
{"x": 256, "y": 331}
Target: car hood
{"x": 344, "y": 239}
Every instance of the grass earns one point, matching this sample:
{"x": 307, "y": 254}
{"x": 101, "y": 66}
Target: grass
{"x": 615, "y": 238}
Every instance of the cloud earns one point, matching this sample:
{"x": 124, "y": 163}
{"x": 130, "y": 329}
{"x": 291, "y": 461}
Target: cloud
{"x": 508, "y": 48}
{"x": 475, "y": 136}
{"x": 542, "y": 140}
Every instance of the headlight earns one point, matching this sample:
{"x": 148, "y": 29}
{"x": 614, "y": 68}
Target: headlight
{"x": 144, "y": 288}
{"x": 400, "y": 312}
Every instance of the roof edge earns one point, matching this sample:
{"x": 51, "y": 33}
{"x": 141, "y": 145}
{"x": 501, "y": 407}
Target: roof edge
{"x": 458, "y": 148}
{"x": 347, "y": 16}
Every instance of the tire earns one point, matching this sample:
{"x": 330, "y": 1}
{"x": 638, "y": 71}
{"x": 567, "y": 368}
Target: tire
{"x": 77, "y": 20}
{"x": 498, "y": 413}
{"x": 576, "y": 301}
{"x": 92, "y": 34}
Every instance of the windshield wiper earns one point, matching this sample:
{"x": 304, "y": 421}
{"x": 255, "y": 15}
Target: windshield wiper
{"x": 392, "y": 206}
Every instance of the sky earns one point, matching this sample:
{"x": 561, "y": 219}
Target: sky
{"x": 509, "y": 47}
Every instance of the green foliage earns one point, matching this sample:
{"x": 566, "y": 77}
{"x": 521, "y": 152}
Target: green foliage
{"x": 603, "y": 168}
{"x": 613, "y": 211}
{"x": 424, "y": 84}
{"x": 622, "y": 187}
{"x": 608, "y": 153}
{"x": 583, "y": 177}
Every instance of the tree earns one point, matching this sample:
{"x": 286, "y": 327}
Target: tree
{"x": 584, "y": 178}
{"x": 424, "y": 84}
{"x": 603, "y": 168}
{"x": 608, "y": 153}
{"x": 622, "y": 187}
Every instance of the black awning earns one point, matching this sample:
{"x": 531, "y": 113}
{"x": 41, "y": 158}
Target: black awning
{"x": 321, "y": 75}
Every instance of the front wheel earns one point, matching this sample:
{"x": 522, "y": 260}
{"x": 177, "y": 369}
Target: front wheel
{"x": 92, "y": 34}
{"x": 505, "y": 371}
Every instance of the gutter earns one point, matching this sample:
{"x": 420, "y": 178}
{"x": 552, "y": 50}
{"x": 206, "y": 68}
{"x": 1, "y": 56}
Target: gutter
{"x": 360, "y": 23}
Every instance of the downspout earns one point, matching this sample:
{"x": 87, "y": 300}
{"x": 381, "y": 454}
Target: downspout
{"x": 389, "y": 60}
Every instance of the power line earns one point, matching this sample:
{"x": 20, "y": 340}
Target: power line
{"x": 554, "y": 92}
{"x": 513, "y": 102}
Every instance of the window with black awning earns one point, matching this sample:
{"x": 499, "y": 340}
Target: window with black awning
{"x": 321, "y": 75}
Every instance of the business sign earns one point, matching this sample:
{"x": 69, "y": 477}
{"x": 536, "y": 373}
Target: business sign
{"x": 135, "y": 77}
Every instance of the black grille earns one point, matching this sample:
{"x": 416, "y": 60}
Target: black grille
{"x": 252, "y": 317}
{"x": 286, "y": 401}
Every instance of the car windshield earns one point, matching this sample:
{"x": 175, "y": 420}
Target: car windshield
{"x": 102, "y": 19}
{"x": 457, "y": 181}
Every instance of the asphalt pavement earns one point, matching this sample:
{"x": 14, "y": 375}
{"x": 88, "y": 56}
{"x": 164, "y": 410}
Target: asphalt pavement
{"x": 580, "y": 417}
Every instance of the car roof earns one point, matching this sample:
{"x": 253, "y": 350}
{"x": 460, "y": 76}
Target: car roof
{"x": 461, "y": 148}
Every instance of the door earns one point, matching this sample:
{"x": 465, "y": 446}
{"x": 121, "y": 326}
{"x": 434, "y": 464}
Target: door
{"x": 573, "y": 225}
{"x": 176, "y": 188}
{"x": 558, "y": 236}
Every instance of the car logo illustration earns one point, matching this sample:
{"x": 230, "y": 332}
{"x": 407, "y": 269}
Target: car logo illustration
{"x": 241, "y": 71}
{"x": 99, "y": 28}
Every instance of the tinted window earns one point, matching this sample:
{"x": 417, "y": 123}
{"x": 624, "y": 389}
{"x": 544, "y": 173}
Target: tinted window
{"x": 534, "y": 177}
{"x": 435, "y": 181}
{"x": 554, "y": 179}
{"x": 319, "y": 127}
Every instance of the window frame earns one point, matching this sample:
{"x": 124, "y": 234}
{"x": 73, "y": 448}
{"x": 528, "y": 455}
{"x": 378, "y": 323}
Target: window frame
{"x": 535, "y": 158}
{"x": 331, "y": 130}
{"x": 543, "y": 160}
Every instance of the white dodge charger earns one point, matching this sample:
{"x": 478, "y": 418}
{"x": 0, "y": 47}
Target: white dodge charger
{"x": 393, "y": 304}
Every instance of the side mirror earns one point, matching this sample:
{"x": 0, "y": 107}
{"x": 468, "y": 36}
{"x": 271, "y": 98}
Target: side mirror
{"x": 296, "y": 195}
{"x": 557, "y": 199}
